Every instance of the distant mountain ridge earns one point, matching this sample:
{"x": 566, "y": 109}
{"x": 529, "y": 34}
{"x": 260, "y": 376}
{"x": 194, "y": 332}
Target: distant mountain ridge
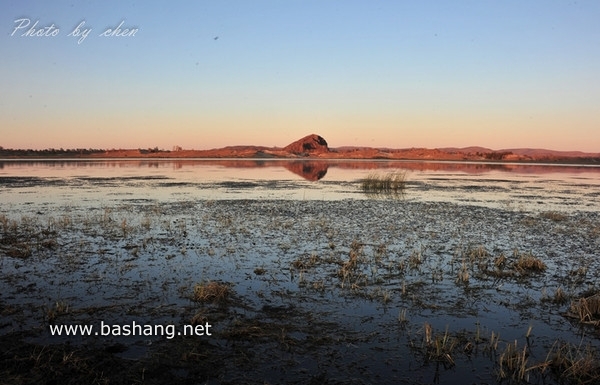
{"x": 522, "y": 151}
{"x": 314, "y": 146}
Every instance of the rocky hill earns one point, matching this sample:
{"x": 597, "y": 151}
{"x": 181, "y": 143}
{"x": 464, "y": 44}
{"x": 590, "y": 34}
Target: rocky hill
{"x": 309, "y": 145}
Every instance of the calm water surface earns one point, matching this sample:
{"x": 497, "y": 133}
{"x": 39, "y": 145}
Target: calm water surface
{"x": 520, "y": 186}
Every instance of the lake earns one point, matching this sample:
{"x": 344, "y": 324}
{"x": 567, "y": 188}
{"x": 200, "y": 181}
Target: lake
{"x": 527, "y": 186}
{"x": 471, "y": 273}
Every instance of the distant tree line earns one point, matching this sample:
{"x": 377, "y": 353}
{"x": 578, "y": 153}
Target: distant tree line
{"x": 49, "y": 152}
{"x": 150, "y": 150}
{"x": 499, "y": 155}
{"x": 74, "y": 152}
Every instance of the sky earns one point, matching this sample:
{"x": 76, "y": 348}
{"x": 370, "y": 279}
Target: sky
{"x": 207, "y": 74}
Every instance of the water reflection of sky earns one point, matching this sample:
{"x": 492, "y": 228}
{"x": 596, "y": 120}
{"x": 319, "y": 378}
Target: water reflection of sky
{"x": 520, "y": 186}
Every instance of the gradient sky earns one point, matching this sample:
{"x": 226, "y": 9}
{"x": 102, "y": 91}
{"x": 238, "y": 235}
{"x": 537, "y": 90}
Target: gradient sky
{"x": 205, "y": 74}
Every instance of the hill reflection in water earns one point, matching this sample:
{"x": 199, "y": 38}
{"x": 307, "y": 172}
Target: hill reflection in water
{"x": 532, "y": 186}
{"x": 316, "y": 169}
{"x": 309, "y": 169}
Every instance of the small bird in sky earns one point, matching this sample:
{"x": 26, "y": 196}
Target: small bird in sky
{"x": 216, "y": 38}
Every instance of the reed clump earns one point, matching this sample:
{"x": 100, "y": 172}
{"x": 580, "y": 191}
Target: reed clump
{"x": 560, "y": 297}
{"x": 586, "y": 310}
{"x": 527, "y": 263}
{"x": 351, "y": 264}
{"x": 575, "y": 364}
{"x": 59, "y": 308}
{"x": 463, "y": 274}
{"x": 519, "y": 265}
{"x": 211, "y": 292}
{"x": 439, "y": 347}
{"x": 512, "y": 363}
{"x": 390, "y": 184}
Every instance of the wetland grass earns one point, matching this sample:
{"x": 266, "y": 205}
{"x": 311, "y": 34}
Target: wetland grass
{"x": 402, "y": 317}
{"x": 554, "y": 216}
{"x": 527, "y": 263}
{"x": 392, "y": 184}
{"x": 21, "y": 239}
{"x": 512, "y": 363}
{"x": 59, "y": 308}
{"x": 440, "y": 347}
{"x": 211, "y": 292}
{"x": 501, "y": 266}
{"x": 575, "y": 364}
{"x": 463, "y": 274}
{"x": 586, "y": 310}
{"x": 404, "y": 269}
{"x": 569, "y": 364}
{"x": 560, "y": 297}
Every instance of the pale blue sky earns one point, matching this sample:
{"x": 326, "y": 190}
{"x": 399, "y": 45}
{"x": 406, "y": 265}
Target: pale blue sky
{"x": 379, "y": 73}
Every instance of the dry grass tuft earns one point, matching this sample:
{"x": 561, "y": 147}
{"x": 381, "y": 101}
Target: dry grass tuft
{"x": 463, "y": 274}
{"x": 554, "y": 216}
{"x": 212, "y": 292}
{"x": 575, "y": 364}
{"x": 19, "y": 250}
{"x": 402, "y": 317}
{"x": 500, "y": 261}
{"x": 560, "y": 296}
{"x": 520, "y": 264}
{"x": 586, "y": 310}
{"x": 349, "y": 267}
{"x": 477, "y": 254}
{"x": 306, "y": 262}
{"x": 60, "y": 308}
{"x": 199, "y": 318}
{"x": 513, "y": 363}
{"x": 439, "y": 347}
{"x": 527, "y": 263}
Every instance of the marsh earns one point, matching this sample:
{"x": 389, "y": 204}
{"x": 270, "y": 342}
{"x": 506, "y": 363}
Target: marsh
{"x": 469, "y": 277}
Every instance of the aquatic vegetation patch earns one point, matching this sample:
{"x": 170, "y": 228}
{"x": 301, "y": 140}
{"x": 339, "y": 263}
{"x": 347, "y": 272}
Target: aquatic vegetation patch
{"x": 500, "y": 266}
{"x": 440, "y": 347}
{"x": 211, "y": 292}
{"x": 575, "y": 364}
{"x": 513, "y": 363}
{"x": 527, "y": 263}
{"x": 59, "y": 308}
{"x": 586, "y": 310}
{"x": 392, "y": 184}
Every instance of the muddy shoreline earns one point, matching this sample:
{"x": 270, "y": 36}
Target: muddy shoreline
{"x": 349, "y": 291}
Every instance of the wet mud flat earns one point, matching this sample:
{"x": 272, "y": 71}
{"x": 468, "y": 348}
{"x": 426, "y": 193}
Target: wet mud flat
{"x": 354, "y": 291}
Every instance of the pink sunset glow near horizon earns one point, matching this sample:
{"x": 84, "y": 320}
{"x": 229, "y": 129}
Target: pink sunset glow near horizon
{"x": 438, "y": 74}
